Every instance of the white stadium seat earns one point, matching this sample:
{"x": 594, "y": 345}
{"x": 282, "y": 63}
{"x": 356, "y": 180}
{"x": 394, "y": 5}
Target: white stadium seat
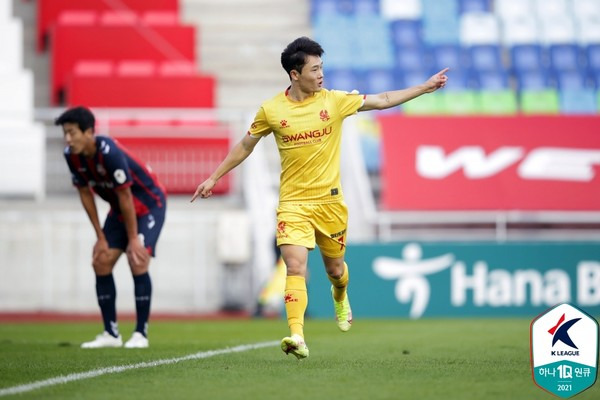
{"x": 513, "y": 8}
{"x": 479, "y": 28}
{"x": 520, "y": 30}
{"x": 5, "y": 10}
{"x": 401, "y": 9}
{"x": 557, "y": 30}
{"x": 11, "y": 43}
{"x": 16, "y": 96}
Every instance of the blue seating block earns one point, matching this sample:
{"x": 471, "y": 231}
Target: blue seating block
{"x": 406, "y": 33}
{"x": 565, "y": 57}
{"x": 469, "y": 6}
{"x": 486, "y": 57}
{"x": 578, "y": 101}
{"x": 533, "y": 80}
{"x": 528, "y": 57}
{"x": 449, "y": 55}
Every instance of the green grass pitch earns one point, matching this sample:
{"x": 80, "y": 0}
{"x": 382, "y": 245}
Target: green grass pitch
{"x": 378, "y": 359}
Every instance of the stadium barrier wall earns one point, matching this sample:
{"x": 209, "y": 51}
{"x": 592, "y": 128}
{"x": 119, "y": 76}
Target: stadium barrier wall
{"x": 462, "y": 279}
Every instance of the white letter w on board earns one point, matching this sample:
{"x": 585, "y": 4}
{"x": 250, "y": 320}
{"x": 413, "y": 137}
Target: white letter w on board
{"x": 433, "y": 163}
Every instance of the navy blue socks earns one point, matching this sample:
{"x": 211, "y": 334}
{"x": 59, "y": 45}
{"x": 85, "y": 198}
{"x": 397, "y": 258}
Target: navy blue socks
{"x": 143, "y": 294}
{"x": 107, "y": 293}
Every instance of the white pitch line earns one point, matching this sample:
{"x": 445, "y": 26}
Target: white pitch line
{"x": 121, "y": 368}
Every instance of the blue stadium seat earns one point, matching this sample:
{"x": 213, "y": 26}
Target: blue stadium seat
{"x": 486, "y": 57}
{"x": 439, "y": 9}
{"x": 449, "y": 55}
{"x": 491, "y": 80}
{"x": 578, "y": 101}
{"x": 406, "y": 33}
{"x": 412, "y": 78}
{"x": 379, "y": 80}
{"x": 341, "y": 79}
{"x": 572, "y": 79}
{"x": 460, "y": 80}
{"x": 322, "y": 7}
{"x": 468, "y": 6}
{"x": 593, "y": 56}
{"x": 411, "y": 59}
{"x": 345, "y": 7}
{"x": 362, "y": 7}
{"x": 528, "y": 57}
{"x": 533, "y": 80}
{"x": 564, "y": 57}
{"x": 442, "y": 31}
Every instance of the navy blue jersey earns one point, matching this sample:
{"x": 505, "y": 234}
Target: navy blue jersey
{"x": 113, "y": 168}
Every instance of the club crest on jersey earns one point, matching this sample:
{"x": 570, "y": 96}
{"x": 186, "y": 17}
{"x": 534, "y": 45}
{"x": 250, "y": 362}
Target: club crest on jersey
{"x": 283, "y": 124}
{"x": 104, "y": 147}
{"x": 324, "y": 115}
{"x": 120, "y": 176}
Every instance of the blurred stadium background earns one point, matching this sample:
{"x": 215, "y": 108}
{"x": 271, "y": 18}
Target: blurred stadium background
{"x": 481, "y": 199}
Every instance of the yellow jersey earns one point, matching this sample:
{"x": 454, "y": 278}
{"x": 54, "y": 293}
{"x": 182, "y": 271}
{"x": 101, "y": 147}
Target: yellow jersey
{"x": 308, "y": 135}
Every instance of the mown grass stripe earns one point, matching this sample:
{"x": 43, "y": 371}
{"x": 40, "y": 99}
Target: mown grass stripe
{"x": 121, "y": 368}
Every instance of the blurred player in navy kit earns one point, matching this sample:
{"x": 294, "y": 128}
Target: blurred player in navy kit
{"x": 100, "y": 165}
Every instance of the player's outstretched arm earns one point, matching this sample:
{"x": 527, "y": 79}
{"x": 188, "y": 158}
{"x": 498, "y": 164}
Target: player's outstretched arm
{"x": 394, "y": 98}
{"x": 236, "y": 155}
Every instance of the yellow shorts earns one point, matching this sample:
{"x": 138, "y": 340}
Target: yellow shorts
{"x": 307, "y": 224}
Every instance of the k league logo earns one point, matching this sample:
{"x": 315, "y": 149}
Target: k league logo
{"x": 564, "y": 350}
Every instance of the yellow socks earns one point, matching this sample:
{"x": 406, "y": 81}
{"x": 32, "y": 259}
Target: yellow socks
{"x": 296, "y": 300}
{"x": 340, "y": 285}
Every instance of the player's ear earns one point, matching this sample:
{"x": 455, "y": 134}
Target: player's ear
{"x": 294, "y": 75}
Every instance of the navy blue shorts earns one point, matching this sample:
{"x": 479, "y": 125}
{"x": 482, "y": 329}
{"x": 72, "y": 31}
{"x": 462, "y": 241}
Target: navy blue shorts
{"x": 149, "y": 227}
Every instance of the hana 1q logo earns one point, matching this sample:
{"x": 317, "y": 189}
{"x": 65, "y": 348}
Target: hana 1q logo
{"x": 564, "y": 350}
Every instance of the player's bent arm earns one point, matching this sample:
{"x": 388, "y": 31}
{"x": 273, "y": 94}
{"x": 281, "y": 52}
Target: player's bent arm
{"x": 89, "y": 205}
{"x": 236, "y": 155}
{"x": 128, "y": 211}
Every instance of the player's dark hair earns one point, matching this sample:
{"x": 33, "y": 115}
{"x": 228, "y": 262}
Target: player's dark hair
{"x": 295, "y": 54}
{"x": 77, "y": 115}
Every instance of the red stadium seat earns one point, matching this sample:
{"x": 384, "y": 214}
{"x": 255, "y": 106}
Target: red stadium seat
{"x": 71, "y": 44}
{"x": 180, "y": 163}
{"x": 49, "y": 10}
{"x": 142, "y": 90}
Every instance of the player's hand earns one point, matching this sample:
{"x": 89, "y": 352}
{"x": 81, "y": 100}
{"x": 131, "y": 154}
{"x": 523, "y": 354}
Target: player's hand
{"x": 137, "y": 255}
{"x": 100, "y": 251}
{"x": 204, "y": 189}
{"x": 437, "y": 81}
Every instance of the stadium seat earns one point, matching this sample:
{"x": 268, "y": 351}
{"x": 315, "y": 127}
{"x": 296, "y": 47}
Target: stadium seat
{"x": 578, "y": 101}
{"x": 501, "y": 102}
{"x": 449, "y": 55}
{"x": 412, "y": 78}
{"x": 11, "y": 43}
{"x": 374, "y": 45}
{"x": 491, "y": 80}
{"x": 586, "y": 8}
{"x": 345, "y": 7}
{"x": 159, "y": 18}
{"x": 539, "y": 79}
{"x": 411, "y": 59}
{"x": 406, "y": 33}
{"x": 379, "y": 80}
{"x": 441, "y": 31}
{"x": 558, "y": 30}
{"x": 405, "y": 9}
{"x": 323, "y": 7}
{"x": 424, "y": 105}
{"x": 486, "y": 57}
{"x": 593, "y": 56}
{"x": 572, "y": 79}
{"x": 49, "y": 10}
{"x": 5, "y": 11}
{"x": 136, "y": 68}
{"x": 510, "y": 9}
{"x": 528, "y": 57}
{"x": 552, "y": 8}
{"x": 363, "y": 7}
{"x": 118, "y": 18}
{"x": 473, "y": 6}
{"x": 439, "y": 9}
{"x": 16, "y": 96}
{"x": 460, "y": 102}
{"x": 342, "y": 79}
{"x": 588, "y": 31}
{"x": 565, "y": 57}
{"x": 520, "y": 30}
{"x": 94, "y": 68}
{"x": 77, "y": 17}
{"x": 539, "y": 102}
{"x": 460, "y": 80}
{"x": 479, "y": 28}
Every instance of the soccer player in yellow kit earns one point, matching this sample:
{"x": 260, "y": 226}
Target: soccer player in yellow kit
{"x": 306, "y": 120}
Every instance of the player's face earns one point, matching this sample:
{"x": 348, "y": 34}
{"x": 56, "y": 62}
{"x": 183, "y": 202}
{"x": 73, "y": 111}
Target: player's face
{"x": 311, "y": 78}
{"x": 75, "y": 138}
